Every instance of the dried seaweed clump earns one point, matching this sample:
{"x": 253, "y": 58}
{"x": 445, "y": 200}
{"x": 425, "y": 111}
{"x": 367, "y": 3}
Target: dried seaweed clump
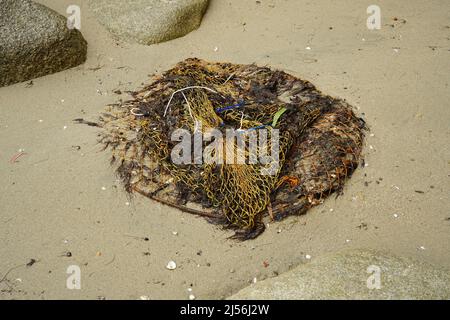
{"x": 320, "y": 142}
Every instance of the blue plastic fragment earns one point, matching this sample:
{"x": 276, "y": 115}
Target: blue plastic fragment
{"x": 240, "y": 104}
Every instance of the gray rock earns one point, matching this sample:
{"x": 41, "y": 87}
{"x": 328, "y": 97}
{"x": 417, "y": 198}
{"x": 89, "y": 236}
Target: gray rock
{"x": 35, "y": 41}
{"x": 345, "y": 276}
{"x": 149, "y": 21}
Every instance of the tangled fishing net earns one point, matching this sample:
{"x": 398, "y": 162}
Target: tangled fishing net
{"x": 319, "y": 143}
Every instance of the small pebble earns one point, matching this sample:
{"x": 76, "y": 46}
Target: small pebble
{"x": 422, "y": 248}
{"x": 216, "y": 49}
{"x": 127, "y": 203}
{"x": 171, "y": 265}
{"x": 308, "y": 48}
{"x": 103, "y": 188}
{"x": 308, "y": 257}
{"x": 174, "y": 233}
{"x": 347, "y": 241}
{"x": 255, "y": 280}
{"x": 395, "y": 215}
{"x": 191, "y": 297}
{"x": 144, "y": 297}
{"x": 65, "y": 127}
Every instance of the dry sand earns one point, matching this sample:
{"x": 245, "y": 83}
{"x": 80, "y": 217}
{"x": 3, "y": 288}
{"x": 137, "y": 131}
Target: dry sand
{"x": 52, "y": 201}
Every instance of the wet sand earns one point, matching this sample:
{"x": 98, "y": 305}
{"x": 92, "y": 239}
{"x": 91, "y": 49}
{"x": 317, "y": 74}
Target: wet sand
{"x": 62, "y": 195}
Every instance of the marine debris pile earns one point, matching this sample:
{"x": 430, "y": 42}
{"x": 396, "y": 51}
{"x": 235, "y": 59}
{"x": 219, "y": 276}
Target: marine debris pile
{"x": 233, "y": 143}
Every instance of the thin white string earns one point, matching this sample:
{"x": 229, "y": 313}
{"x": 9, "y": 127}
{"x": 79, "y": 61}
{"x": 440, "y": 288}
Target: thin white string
{"x": 242, "y": 119}
{"x": 134, "y": 113}
{"x": 231, "y": 76}
{"x": 240, "y": 130}
{"x": 180, "y": 90}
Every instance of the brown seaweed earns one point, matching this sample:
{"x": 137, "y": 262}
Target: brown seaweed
{"x": 321, "y": 143}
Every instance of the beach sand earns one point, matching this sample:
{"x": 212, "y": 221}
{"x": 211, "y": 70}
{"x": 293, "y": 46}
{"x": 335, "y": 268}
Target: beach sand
{"x": 62, "y": 195}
